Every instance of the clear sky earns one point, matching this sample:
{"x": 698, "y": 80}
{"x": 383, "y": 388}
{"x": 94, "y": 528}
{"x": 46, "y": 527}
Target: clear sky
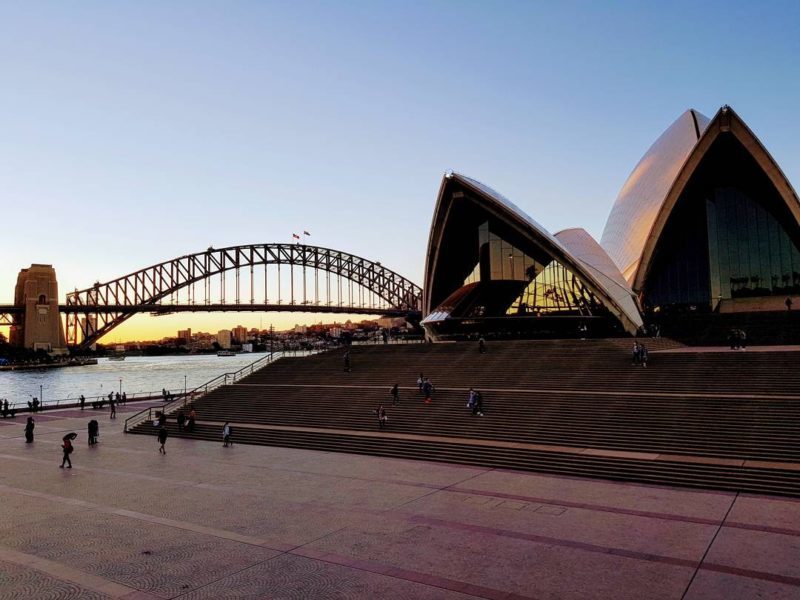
{"x": 135, "y": 132}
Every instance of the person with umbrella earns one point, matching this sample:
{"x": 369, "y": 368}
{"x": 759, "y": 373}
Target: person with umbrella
{"x": 29, "y": 430}
{"x": 68, "y": 448}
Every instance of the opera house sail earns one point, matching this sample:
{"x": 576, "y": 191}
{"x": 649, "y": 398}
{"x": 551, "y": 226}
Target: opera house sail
{"x": 707, "y": 222}
{"x": 491, "y": 269}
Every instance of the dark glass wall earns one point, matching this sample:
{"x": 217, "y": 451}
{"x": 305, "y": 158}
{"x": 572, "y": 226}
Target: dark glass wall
{"x": 680, "y": 271}
{"x": 750, "y": 253}
{"x": 730, "y": 236}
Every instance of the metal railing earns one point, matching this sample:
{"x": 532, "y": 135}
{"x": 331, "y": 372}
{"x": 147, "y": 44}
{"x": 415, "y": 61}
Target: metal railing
{"x": 221, "y": 380}
{"x": 72, "y": 401}
{"x": 409, "y": 339}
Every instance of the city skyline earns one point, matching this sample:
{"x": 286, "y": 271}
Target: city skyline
{"x": 148, "y": 132}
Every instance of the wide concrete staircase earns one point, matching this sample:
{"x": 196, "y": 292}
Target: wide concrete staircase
{"x": 726, "y": 420}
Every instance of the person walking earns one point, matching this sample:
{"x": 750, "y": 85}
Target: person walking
{"x": 162, "y": 439}
{"x": 788, "y": 303}
{"x": 93, "y": 428}
{"x": 382, "y": 417}
{"x": 124, "y": 397}
{"x": 471, "y": 398}
{"x": 191, "y": 421}
{"x": 29, "y": 426}
{"x": 395, "y": 395}
{"x": 83, "y": 401}
{"x": 181, "y": 419}
{"x": 113, "y": 406}
{"x": 643, "y": 355}
{"x": 427, "y": 389}
{"x": 226, "y": 435}
{"x": 67, "y": 447}
{"x": 482, "y": 345}
{"x": 347, "y": 361}
{"x": 420, "y": 382}
{"x": 477, "y": 408}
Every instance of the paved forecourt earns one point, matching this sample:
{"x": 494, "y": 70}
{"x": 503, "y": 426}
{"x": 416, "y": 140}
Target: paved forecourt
{"x": 261, "y": 522}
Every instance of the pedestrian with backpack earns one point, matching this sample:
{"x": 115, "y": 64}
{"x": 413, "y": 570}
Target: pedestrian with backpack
{"x": 227, "y": 431}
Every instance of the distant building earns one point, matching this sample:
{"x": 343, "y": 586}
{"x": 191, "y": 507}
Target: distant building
{"x": 185, "y": 336}
{"x": 301, "y": 329}
{"x": 224, "y": 338}
{"x": 239, "y": 334}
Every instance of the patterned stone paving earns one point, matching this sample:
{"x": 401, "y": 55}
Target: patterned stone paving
{"x": 17, "y": 582}
{"x": 257, "y": 522}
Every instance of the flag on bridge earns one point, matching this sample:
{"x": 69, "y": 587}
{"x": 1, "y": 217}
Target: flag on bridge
{"x": 306, "y": 233}
{"x": 295, "y": 236}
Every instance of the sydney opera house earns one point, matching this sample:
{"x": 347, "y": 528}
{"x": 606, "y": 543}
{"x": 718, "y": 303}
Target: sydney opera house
{"x": 706, "y": 223}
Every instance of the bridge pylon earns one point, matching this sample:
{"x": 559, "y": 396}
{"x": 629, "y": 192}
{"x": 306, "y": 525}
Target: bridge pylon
{"x": 38, "y": 326}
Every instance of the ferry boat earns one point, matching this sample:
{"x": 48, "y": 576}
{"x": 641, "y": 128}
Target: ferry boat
{"x": 226, "y": 353}
{"x": 119, "y": 353}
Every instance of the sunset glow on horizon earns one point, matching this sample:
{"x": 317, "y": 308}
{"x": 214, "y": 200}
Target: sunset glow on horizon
{"x": 139, "y": 133}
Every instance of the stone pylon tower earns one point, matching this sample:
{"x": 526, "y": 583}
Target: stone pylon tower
{"x": 40, "y": 327}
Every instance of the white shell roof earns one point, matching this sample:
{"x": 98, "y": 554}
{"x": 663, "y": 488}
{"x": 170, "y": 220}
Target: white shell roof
{"x": 640, "y": 199}
{"x": 584, "y": 248}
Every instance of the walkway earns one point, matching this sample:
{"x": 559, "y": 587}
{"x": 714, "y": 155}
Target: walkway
{"x": 252, "y": 522}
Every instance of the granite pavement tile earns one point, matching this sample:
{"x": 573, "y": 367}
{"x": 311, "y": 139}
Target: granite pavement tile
{"x": 21, "y": 583}
{"x": 290, "y": 577}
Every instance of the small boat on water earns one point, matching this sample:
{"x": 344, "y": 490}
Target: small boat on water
{"x": 226, "y": 353}
{"x": 117, "y": 357}
{"x": 119, "y": 353}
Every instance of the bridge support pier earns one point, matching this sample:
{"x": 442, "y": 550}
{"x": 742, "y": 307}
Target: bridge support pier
{"x": 39, "y": 327}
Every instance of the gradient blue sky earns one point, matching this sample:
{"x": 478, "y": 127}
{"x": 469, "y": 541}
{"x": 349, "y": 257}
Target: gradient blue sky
{"x": 134, "y": 132}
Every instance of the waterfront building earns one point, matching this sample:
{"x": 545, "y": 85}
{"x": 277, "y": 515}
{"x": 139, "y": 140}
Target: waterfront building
{"x": 706, "y": 222}
{"x": 239, "y": 334}
{"x": 224, "y": 338}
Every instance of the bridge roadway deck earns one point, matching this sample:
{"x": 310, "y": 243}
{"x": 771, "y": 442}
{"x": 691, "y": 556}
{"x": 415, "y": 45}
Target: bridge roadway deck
{"x": 165, "y": 309}
{"x": 126, "y": 522}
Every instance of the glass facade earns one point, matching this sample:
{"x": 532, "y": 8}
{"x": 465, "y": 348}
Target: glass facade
{"x": 750, "y": 253}
{"x": 555, "y": 289}
{"x": 679, "y": 275}
{"x": 722, "y": 247}
{"x": 550, "y": 287}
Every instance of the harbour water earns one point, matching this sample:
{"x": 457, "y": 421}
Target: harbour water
{"x": 135, "y": 374}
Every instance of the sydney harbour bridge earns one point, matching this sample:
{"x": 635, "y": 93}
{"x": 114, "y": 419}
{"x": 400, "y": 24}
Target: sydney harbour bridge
{"x": 253, "y": 278}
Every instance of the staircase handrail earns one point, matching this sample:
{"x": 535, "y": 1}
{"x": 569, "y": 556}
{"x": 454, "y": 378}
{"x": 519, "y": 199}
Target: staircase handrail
{"x": 205, "y": 388}
{"x": 213, "y": 384}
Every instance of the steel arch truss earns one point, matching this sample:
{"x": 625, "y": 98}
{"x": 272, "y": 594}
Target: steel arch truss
{"x": 93, "y": 312}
